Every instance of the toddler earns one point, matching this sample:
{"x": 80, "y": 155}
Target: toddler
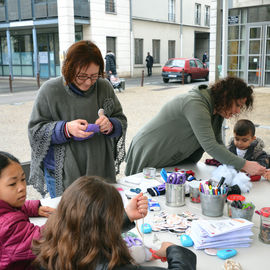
{"x": 246, "y": 145}
{"x": 16, "y": 231}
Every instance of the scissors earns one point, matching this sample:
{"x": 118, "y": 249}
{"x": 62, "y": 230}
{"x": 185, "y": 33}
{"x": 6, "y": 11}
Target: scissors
{"x": 133, "y": 241}
{"x": 177, "y": 178}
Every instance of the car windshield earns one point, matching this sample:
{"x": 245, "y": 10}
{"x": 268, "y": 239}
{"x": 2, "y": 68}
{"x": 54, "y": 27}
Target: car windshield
{"x": 175, "y": 63}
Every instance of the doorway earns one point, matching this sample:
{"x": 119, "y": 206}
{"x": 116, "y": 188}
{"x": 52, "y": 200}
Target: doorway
{"x": 258, "y": 64}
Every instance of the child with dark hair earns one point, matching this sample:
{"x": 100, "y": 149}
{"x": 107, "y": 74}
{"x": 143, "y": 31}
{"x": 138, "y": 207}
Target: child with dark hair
{"x": 16, "y": 231}
{"x": 85, "y": 232}
{"x": 246, "y": 145}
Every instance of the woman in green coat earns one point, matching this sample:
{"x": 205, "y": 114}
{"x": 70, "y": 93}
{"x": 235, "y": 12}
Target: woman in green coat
{"x": 190, "y": 125}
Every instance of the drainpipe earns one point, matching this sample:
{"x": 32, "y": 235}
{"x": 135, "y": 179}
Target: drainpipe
{"x": 9, "y": 54}
{"x": 181, "y": 28}
{"x": 131, "y": 42}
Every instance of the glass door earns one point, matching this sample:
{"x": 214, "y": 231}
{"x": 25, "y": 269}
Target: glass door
{"x": 259, "y": 55}
{"x": 255, "y": 55}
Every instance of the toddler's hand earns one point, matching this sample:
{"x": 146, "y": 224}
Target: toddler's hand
{"x": 45, "y": 211}
{"x": 266, "y": 175}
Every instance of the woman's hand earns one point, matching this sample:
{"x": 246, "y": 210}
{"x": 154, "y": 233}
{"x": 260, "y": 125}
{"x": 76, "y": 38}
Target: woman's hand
{"x": 162, "y": 251}
{"x": 137, "y": 207}
{"x": 45, "y": 211}
{"x": 104, "y": 124}
{"x": 77, "y": 128}
{"x": 253, "y": 168}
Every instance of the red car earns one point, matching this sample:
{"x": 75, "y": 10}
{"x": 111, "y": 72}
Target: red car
{"x": 193, "y": 69}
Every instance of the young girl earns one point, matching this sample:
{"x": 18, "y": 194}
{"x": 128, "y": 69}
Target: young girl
{"x": 85, "y": 232}
{"x": 16, "y": 231}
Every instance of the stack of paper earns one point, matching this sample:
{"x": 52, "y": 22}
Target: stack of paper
{"x": 226, "y": 233}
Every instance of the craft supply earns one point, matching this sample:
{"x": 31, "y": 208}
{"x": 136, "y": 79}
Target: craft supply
{"x": 157, "y": 191}
{"x": 264, "y": 225}
{"x": 226, "y": 253}
{"x": 175, "y": 194}
{"x": 194, "y": 192}
{"x": 212, "y": 205}
{"x": 163, "y": 174}
{"x": 163, "y": 259}
{"x": 242, "y": 210}
{"x": 186, "y": 240}
{"x": 153, "y": 205}
{"x": 149, "y": 172}
{"x": 230, "y": 199}
{"x": 90, "y": 128}
{"x": 146, "y": 228}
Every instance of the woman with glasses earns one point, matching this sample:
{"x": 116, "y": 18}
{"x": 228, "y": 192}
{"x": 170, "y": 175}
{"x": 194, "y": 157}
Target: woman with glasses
{"x": 77, "y": 126}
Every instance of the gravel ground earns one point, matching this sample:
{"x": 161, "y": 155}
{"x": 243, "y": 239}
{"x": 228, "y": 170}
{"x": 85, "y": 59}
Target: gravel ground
{"x": 139, "y": 104}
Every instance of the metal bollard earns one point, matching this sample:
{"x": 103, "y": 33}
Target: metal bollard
{"x": 38, "y": 80}
{"x": 10, "y": 84}
{"x": 142, "y": 78}
{"x": 183, "y": 76}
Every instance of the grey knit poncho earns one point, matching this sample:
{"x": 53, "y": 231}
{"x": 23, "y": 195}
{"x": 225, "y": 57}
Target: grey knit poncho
{"x": 98, "y": 155}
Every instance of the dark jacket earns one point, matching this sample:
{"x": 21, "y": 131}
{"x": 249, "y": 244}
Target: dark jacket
{"x": 149, "y": 61}
{"x": 110, "y": 63}
{"x": 254, "y": 152}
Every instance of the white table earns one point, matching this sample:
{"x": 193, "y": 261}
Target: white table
{"x": 254, "y": 257}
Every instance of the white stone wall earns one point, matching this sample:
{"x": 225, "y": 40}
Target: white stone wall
{"x": 66, "y": 27}
{"x": 113, "y": 25}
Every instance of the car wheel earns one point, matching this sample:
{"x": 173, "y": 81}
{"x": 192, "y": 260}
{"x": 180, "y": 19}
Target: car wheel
{"x": 207, "y": 77}
{"x": 165, "y": 80}
{"x": 188, "y": 79}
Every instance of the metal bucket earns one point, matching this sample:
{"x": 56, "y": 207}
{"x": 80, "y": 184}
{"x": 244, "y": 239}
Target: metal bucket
{"x": 212, "y": 205}
{"x": 175, "y": 194}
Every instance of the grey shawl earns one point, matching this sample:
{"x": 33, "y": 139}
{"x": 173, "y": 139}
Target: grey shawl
{"x": 99, "y": 155}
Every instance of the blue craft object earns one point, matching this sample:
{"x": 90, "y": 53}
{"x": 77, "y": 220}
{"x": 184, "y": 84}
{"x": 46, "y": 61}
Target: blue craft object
{"x": 226, "y": 253}
{"x": 146, "y": 228}
{"x": 186, "y": 240}
{"x": 136, "y": 190}
{"x": 163, "y": 174}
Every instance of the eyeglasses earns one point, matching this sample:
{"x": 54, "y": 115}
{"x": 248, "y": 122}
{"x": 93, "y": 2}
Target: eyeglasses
{"x": 84, "y": 77}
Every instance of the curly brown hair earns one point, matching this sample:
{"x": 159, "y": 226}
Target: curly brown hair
{"x": 85, "y": 229}
{"x": 80, "y": 55}
{"x": 225, "y": 91}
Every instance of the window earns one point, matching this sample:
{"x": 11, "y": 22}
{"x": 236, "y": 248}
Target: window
{"x": 2, "y": 3}
{"x": 207, "y": 16}
{"x": 171, "y": 49}
{"x": 156, "y": 50}
{"x": 198, "y": 14}
{"x": 110, "y": 6}
{"x": 111, "y": 44}
{"x": 199, "y": 64}
{"x": 171, "y": 13}
{"x": 138, "y": 51}
{"x": 192, "y": 63}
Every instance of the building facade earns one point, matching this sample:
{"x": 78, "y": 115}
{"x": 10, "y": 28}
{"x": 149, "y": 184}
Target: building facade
{"x": 35, "y": 34}
{"x": 246, "y": 43}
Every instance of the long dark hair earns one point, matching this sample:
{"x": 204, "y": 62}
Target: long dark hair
{"x": 230, "y": 89}
{"x": 80, "y": 55}
{"x": 6, "y": 159}
{"x": 85, "y": 229}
